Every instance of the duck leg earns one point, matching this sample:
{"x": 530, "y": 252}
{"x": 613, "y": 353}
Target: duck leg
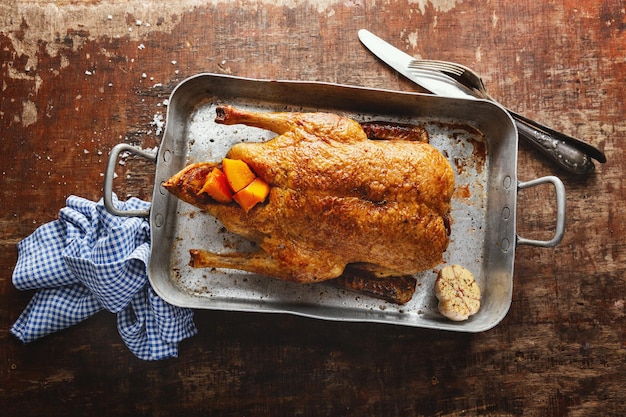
{"x": 313, "y": 126}
{"x": 261, "y": 262}
{"x": 258, "y": 262}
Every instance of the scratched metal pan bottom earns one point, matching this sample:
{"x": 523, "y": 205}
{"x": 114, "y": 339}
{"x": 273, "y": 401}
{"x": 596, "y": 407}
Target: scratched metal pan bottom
{"x": 478, "y": 137}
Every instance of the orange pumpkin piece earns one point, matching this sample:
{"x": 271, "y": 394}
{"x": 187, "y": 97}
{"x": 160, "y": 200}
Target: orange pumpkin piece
{"x": 217, "y": 187}
{"x": 253, "y": 193}
{"x": 238, "y": 173}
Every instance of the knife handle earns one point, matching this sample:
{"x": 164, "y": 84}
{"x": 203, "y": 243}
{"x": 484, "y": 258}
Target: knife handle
{"x": 562, "y": 149}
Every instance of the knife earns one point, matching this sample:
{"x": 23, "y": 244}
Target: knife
{"x": 561, "y": 149}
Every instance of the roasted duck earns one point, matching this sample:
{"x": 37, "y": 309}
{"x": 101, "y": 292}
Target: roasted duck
{"x": 336, "y": 198}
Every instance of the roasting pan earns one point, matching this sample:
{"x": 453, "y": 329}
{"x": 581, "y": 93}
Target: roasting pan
{"x": 478, "y": 137}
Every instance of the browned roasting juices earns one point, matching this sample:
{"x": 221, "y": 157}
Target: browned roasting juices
{"x": 336, "y": 199}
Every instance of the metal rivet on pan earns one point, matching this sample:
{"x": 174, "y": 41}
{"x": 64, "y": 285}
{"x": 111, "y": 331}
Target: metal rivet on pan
{"x": 166, "y": 155}
{"x": 158, "y": 220}
{"x": 507, "y": 182}
{"x": 506, "y": 213}
{"x": 162, "y": 189}
{"x": 505, "y": 245}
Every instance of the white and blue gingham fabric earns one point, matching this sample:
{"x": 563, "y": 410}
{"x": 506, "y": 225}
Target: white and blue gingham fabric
{"x": 89, "y": 260}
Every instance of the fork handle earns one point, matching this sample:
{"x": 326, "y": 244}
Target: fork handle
{"x": 563, "y": 150}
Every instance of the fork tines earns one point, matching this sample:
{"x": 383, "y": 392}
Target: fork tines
{"x": 437, "y": 66}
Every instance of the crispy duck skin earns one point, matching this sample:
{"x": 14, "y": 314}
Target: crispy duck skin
{"x": 337, "y": 198}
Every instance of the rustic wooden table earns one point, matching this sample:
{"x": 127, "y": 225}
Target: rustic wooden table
{"x": 78, "y": 78}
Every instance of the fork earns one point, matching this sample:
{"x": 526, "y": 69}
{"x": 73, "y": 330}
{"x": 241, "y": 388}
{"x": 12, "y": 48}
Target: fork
{"x": 570, "y": 153}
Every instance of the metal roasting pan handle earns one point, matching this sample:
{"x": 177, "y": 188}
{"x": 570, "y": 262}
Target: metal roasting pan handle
{"x": 110, "y": 173}
{"x": 560, "y": 212}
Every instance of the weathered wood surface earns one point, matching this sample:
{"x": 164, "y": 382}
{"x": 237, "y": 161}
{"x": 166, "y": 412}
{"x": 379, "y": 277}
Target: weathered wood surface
{"x": 78, "y": 78}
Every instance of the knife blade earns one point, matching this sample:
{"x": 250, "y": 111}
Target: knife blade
{"x": 568, "y": 153}
{"x": 432, "y": 81}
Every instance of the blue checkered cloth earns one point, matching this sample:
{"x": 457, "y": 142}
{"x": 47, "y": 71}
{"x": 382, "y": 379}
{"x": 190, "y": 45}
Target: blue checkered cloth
{"x": 90, "y": 260}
